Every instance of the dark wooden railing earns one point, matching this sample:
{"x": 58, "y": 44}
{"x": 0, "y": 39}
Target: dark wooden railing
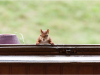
{"x": 50, "y": 50}
{"x": 48, "y": 59}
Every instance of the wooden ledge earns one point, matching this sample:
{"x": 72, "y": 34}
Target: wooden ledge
{"x": 50, "y": 46}
{"x": 50, "y": 59}
{"x": 70, "y": 49}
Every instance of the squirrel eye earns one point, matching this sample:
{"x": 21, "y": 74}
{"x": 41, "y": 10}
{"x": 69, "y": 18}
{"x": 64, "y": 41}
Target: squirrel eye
{"x": 46, "y": 33}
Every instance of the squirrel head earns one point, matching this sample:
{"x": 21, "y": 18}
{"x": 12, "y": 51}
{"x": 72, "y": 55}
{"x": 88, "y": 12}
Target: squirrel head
{"x": 44, "y": 33}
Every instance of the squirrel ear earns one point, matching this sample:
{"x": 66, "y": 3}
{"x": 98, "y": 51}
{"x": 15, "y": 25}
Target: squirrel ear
{"x": 48, "y": 30}
{"x": 40, "y": 30}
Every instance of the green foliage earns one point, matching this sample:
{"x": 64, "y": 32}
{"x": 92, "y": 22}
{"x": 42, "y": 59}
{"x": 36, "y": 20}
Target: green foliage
{"x": 69, "y": 22}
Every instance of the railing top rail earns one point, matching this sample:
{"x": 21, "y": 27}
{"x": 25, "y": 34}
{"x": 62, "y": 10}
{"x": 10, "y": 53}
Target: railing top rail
{"x": 50, "y": 46}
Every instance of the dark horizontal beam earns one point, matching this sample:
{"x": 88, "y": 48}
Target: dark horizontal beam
{"x": 50, "y": 46}
{"x": 32, "y": 49}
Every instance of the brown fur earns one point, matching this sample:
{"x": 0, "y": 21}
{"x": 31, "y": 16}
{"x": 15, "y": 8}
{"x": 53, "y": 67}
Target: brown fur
{"x": 44, "y": 37}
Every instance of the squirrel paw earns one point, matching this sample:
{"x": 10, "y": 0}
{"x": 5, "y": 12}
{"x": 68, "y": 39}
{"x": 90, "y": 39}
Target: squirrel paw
{"x": 37, "y": 43}
{"x": 52, "y": 43}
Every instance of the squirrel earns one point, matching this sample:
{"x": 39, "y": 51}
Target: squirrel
{"x": 44, "y": 38}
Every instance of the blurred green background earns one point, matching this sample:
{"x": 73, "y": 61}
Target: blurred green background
{"x": 69, "y": 22}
